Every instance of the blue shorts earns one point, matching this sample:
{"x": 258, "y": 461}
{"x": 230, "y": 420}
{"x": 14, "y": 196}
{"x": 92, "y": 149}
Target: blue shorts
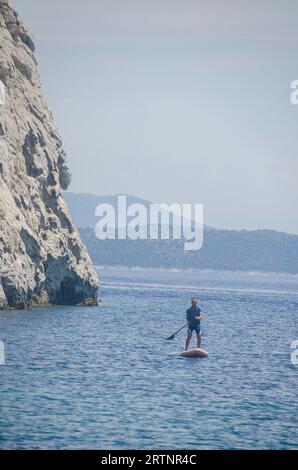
{"x": 195, "y": 328}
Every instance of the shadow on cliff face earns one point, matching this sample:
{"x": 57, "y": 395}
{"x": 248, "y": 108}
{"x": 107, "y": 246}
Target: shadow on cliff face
{"x": 65, "y": 287}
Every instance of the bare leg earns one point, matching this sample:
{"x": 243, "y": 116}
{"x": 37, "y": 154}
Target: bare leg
{"x": 188, "y": 338}
{"x": 199, "y": 339}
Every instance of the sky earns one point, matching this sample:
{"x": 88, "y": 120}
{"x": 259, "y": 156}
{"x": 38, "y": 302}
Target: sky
{"x": 177, "y": 101}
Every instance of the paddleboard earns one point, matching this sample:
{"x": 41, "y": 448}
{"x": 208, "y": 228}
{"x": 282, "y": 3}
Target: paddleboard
{"x": 197, "y": 352}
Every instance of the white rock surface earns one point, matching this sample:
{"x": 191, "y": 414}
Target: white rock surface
{"x": 42, "y": 259}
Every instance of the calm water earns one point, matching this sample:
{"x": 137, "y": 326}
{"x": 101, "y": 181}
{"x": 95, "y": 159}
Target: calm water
{"x": 106, "y": 378}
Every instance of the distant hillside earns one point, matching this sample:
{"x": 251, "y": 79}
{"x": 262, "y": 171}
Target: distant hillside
{"x": 243, "y": 250}
{"x": 82, "y": 206}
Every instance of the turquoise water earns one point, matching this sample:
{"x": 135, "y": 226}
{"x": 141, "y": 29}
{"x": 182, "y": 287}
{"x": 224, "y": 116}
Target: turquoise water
{"x": 104, "y": 377}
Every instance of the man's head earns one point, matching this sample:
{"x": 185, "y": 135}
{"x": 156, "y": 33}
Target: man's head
{"x": 194, "y": 301}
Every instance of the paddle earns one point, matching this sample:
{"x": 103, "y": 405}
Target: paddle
{"x": 174, "y": 334}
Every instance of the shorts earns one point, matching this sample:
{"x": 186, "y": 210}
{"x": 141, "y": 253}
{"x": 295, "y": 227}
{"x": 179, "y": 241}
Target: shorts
{"x": 195, "y": 328}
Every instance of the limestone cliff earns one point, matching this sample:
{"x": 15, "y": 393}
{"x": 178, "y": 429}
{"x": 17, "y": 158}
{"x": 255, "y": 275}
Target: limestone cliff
{"x": 42, "y": 259}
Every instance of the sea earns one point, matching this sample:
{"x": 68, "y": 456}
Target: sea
{"x": 106, "y": 377}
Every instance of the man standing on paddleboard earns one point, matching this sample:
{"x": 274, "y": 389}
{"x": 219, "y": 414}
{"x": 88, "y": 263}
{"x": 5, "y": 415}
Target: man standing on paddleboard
{"x": 194, "y": 317}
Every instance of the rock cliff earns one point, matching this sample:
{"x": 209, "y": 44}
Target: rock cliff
{"x": 42, "y": 259}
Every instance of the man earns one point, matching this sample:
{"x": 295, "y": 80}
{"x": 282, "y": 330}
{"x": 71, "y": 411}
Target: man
{"x": 194, "y": 317}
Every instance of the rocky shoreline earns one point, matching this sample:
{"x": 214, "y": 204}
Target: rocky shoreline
{"x": 42, "y": 259}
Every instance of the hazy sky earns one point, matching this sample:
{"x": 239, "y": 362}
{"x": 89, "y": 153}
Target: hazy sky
{"x": 177, "y": 101}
